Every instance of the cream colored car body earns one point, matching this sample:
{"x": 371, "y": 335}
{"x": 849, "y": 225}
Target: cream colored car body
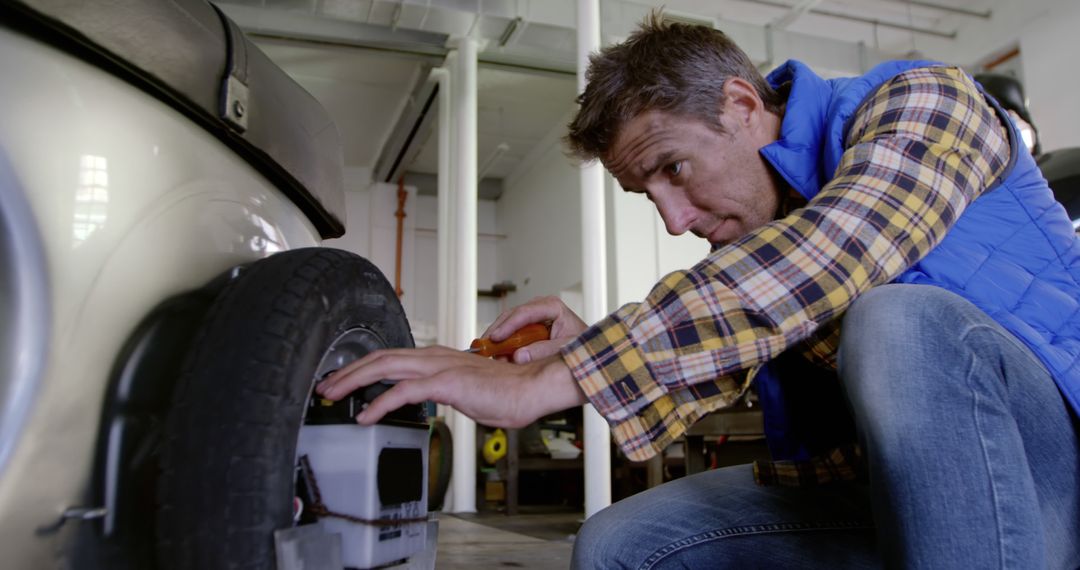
{"x": 132, "y": 203}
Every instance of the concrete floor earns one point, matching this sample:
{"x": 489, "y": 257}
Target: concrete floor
{"x": 539, "y": 540}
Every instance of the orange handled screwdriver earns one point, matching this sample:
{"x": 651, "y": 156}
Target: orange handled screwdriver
{"x": 524, "y": 336}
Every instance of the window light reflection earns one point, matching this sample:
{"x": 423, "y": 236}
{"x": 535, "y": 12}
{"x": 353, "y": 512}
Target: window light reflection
{"x": 267, "y": 239}
{"x": 91, "y": 198}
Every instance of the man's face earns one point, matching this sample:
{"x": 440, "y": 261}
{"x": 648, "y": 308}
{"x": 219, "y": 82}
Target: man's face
{"x": 714, "y": 185}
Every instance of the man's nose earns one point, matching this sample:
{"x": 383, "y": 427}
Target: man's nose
{"x": 677, "y": 214}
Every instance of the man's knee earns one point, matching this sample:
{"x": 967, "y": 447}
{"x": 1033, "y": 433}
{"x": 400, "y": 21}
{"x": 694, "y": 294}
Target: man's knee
{"x": 901, "y": 322}
{"x": 593, "y": 541}
{"x": 897, "y": 336}
{"x": 891, "y": 310}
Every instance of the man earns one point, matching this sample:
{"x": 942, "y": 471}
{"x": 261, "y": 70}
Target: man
{"x": 890, "y": 270}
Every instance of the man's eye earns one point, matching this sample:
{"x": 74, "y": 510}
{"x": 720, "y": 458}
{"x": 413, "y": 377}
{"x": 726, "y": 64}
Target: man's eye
{"x": 674, "y": 168}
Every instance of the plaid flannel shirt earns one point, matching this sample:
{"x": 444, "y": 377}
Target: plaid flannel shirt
{"x": 919, "y": 150}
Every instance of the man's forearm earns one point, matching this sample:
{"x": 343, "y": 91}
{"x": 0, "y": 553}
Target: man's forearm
{"x": 554, "y": 388}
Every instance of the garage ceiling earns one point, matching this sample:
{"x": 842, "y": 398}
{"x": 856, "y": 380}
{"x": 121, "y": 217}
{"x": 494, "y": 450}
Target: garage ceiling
{"x": 361, "y": 89}
{"x": 369, "y": 61}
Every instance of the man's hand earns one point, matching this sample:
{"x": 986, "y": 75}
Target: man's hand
{"x": 565, "y": 326}
{"x": 494, "y": 393}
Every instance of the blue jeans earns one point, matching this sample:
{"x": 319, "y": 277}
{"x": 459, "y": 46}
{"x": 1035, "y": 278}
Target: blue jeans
{"x": 972, "y": 456}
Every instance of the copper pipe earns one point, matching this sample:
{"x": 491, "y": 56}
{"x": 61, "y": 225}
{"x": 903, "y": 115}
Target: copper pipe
{"x": 1002, "y": 58}
{"x": 402, "y": 195}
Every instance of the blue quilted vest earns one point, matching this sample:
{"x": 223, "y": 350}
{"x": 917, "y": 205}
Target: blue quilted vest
{"x": 1013, "y": 253}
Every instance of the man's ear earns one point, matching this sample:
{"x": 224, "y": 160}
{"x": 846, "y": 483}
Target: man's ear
{"x": 742, "y": 105}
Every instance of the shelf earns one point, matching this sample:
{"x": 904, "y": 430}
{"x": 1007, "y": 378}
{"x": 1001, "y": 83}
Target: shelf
{"x": 731, "y": 421}
{"x": 549, "y": 464}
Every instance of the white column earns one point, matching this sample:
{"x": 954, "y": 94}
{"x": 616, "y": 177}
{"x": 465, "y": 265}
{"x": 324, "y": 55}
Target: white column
{"x": 594, "y": 274}
{"x": 445, "y": 229}
{"x": 442, "y": 75}
{"x": 463, "y": 299}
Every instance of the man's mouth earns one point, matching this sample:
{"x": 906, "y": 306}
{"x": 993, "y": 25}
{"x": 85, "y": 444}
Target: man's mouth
{"x": 718, "y": 234}
{"x": 716, "y": 230}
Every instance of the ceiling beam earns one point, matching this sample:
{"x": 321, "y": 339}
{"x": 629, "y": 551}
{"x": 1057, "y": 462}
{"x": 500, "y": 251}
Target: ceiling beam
{"x": 412, "y": 126}
{"x": 429, "y": 47}
{"x": 871, "y": 21}
{"x": 793, "y": 14}
{"x": 958, "y": 10}
{"x": 282, "y": 24}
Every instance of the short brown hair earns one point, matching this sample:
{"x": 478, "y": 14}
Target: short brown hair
{"x": 670, "y": 67}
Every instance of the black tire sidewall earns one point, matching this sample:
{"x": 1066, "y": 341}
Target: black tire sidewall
{"x": 228, "y": 463}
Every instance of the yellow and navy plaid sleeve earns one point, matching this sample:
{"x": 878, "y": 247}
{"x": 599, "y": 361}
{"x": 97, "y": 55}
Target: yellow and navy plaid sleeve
{"x": 917, "y": 152}
{"x": 842, "y": 464}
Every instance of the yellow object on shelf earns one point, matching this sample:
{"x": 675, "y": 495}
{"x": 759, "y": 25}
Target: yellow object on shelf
{"x": 495, "y": 447}
{"x": 495, "y": 491}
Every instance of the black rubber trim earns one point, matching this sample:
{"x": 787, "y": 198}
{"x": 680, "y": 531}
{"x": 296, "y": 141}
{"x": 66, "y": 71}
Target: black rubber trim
{"x": 237, "y": 64}
{"x": 236, "y": 70}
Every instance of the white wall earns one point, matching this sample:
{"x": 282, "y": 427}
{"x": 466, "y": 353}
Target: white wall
{"x": 1046, "y": 33}
{"x": 423, "y": 308}
{"x": 640, "y": 249}
{"x": 372, "y": 233}
{"x": 539, "y": 213}
{"x": 357, "y": 238}
{"x": 632, "y": 235}
{"x": 1050, "y": 47}
{"x": 489, "y": 243}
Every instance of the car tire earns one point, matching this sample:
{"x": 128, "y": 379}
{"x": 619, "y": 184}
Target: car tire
{"x": 228, "y": 467}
